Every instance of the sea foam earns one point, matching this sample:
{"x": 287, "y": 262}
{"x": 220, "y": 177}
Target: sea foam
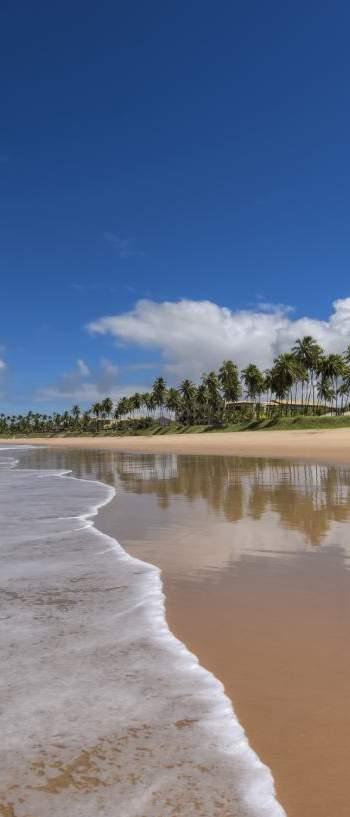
{"x": 104, "y": 711}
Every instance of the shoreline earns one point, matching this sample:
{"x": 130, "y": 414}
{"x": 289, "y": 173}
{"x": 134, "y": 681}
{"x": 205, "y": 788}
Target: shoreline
{"x": 323, "y": 445}
{"x": 288, "y": 693}
{"x": 307, "y": 600}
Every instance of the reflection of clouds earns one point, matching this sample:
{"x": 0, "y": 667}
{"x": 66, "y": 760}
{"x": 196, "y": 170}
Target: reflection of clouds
{"x": 203, "y": 544}
{"x": 306, "y": 498}
{"x": 216, "y": 509}
{"x": 160, "y": 467}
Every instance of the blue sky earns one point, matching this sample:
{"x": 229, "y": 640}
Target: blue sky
{"x": 191, "y": 155}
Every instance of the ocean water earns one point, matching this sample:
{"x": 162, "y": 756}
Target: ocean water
{"x": 102, "y": 710}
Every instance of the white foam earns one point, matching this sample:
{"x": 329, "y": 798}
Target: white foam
{"x": 105, "y": 711}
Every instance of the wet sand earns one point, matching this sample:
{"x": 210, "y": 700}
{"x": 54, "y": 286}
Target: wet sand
{"x": 274, "y": 627}
{"x": 254, "y": 556}
{"x": 332, "y": 445}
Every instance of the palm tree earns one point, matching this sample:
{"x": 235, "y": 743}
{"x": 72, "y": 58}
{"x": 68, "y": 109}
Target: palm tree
{"x": 86, "y": 419}
{"x": 229, "y": 381}
{"x": 65, "y": 419}
{"x": 75, "y": 412}
{"x": 159, "y": 392}
{"x": 135, "y": 402}
{"x": 172, "y": 400}
{"x": 343, "y": 392}
{"x": 188, "y": 392}
{"x": 202, "y": 400}
{"x": 285, "y": 372}
{"x": 325, "y": 391}
{"x": 254, "y": 382}
{"x": 146, "y": 401}
{"x": 215, "y": 401}
{"x": 123, "y": 407}
{"x": 333, "y": 368}
{"x": 106, "y": 406}
{"x": 97, "y": 411}
{"x": 308, "y": 353}
{"x": 152, "y": 404}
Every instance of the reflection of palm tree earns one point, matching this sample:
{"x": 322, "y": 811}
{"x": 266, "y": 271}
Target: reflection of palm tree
{"x": 306, "y": 498}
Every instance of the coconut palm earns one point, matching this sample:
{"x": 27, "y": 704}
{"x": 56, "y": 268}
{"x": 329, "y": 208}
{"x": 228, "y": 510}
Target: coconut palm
{"x": 76, "y": 412}
{"x": 96, "y": 410}
{"x": 254, "y": 382}
{"x": 146, "y": 400}
{"x": 308, "y": 353}
{"x": 284, "y": 374}
{"x": 188, "y": 393}
{"x": 86, "y": 419}
{"x": 123, "y": 407}
{"x": 135, "y": 402}
{"x": 159, "y": 392}
{"x": 172, "y": 400}
{"x": 215, "y": 401}
{"x": 65, "y": 419}
{"x": 202, "y": 400}
{"x": 334, "y": 368}
{"x": 229, "y": 381}
{"x": 107, "y": 406}
{"x": 325, "y": 392}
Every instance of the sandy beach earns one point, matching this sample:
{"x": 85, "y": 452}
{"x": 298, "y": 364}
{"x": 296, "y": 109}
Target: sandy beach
{"x": 264, "y": 605}
{"x": 259, "y": 591}
{"x": 324, "y": 445}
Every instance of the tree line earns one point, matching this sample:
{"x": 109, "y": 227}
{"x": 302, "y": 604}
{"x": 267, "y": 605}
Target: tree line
{"x": 304, "y": 380}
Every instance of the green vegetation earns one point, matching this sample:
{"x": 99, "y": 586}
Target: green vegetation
{"x": 305, "y": 388}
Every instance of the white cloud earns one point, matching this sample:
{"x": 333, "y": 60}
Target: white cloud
{"x": 195, "y": 336}
{"x": 84, "y": 385}
{"x": 3, "y": 375}
{"x": 106, "y": 376}
{"x": 82, "y": 368}
{"x": 87, "y": 393}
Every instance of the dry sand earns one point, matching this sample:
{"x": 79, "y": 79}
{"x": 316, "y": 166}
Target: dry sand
{"x": 332, "y": 445}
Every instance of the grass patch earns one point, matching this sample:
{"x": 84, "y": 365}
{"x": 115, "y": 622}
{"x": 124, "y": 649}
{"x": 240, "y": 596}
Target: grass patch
{"x": 270, "y": 424}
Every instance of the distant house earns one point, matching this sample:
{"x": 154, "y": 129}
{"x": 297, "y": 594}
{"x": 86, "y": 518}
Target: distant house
{"x": 297, "y": 405}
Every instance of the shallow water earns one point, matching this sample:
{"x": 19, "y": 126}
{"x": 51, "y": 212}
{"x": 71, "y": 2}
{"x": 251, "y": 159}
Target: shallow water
{"x": 254, "y": 555}
{"x": 103, "y": 711}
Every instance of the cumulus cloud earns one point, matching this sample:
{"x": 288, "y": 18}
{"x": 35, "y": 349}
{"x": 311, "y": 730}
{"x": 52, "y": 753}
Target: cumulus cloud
{"x": 82, "y": 369}
{"x": 83, "y": 384}
{"x": 106, "y": 376}
{"x": 3, "y": 375}
{"x": 195, "y": 336}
